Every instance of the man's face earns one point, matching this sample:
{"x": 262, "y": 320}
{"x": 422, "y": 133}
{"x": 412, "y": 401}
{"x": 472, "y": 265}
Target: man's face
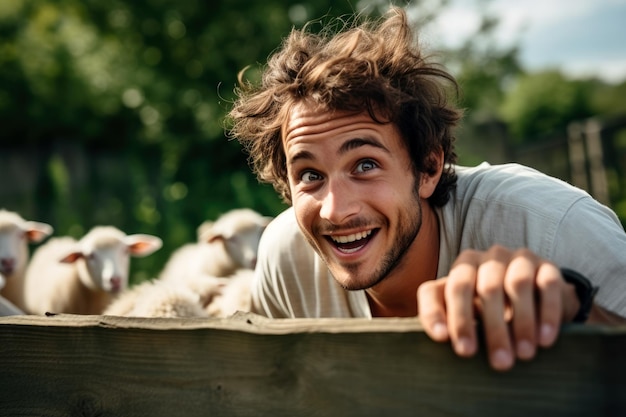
{"x": 353, "y": 192}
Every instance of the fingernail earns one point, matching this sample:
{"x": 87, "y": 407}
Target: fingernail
{"x": 464, "y": 346}
{"x": 525, "y": 349}
{"x": 547, "y": 334}
{"x": 440, "y": 331}
{"x": 501, "y": 359}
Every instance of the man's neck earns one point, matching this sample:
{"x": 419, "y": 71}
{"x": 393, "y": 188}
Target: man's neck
{"x": 396, "y": 295}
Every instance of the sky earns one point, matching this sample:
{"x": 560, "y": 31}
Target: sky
{"x": 580, "y": 37}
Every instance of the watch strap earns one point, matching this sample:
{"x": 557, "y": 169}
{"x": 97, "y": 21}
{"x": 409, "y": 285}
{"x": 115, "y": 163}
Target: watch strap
{"x": 585, "y": 291}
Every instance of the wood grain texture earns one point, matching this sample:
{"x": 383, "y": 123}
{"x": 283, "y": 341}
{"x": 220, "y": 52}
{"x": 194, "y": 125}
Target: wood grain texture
{"x": 251, "y": 366}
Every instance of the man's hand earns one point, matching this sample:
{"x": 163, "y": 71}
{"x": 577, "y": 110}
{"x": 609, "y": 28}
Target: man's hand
{"x": 520, "y": 299}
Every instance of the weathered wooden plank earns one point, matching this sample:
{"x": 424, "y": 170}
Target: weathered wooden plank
{"x": 250, "y": 366}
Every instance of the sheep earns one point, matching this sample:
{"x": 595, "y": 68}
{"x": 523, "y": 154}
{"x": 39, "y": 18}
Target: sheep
{"x": 15, "y": 235}
{"x": 234, "y": 296}
{"x": 158, "y": 298}
{"x": 205, "y": 296}
{"x": 224, "y": 246}
{"x": 197, "y": 273}
{"x": 82, "y": 276}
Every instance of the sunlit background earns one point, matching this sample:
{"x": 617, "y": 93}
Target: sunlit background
{"x": 582, "y": 38}
{"x": 112, "y": 111}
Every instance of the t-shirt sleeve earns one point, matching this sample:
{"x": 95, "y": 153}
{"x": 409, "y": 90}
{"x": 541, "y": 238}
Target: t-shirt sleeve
{"x": 267, "y": 299}
{"x": 516, "y": 206}
{"x": 591, "y": 240}
{"x": 284, "y": 269}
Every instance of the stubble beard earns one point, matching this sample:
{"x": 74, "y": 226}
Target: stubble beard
{"x": 408, "y": 227}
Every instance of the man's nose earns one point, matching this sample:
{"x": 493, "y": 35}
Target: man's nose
{"x": 339, "y": 203}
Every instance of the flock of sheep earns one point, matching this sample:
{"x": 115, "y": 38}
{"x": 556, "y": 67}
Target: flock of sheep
{"x": 210, "y": 277}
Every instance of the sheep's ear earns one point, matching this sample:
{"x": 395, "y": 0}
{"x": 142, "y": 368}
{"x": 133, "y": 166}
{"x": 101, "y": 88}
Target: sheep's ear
{"x": 204, "y": 230}
{"x": 266, "y": 220}
{"x": 142, "y": 245}
{"x": 36, "y": 231}
{"x": 212, "y": 237}
{"x": 71, "y": 258}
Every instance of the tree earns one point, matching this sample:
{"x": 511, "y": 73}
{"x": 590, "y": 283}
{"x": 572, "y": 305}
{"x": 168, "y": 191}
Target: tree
{"x": 543, "y": 102}
{"x": 608, "y": 99}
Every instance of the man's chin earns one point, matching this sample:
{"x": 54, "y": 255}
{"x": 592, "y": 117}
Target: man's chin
{"x": 353, "y": 282}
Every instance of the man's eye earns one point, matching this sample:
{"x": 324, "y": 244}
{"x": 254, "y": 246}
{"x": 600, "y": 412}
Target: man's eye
{"x": 308, "y": 177}
{"x": 366, "y": 165}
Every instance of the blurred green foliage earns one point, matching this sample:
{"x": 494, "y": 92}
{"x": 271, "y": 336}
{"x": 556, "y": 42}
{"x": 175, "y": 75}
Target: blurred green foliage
{"x": 529, "y": 114}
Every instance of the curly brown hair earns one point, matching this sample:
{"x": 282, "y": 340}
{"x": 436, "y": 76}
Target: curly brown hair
{"x": 375, "y": 66}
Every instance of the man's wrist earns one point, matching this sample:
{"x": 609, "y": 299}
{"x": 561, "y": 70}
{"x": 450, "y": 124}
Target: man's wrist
{"x": 585, "y": 291}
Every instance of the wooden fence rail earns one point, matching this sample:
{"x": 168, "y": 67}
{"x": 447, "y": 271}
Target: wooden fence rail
{"x": 251, "y": 366}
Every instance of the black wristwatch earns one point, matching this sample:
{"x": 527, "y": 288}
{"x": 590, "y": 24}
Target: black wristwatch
{"x": 585, "y": 291}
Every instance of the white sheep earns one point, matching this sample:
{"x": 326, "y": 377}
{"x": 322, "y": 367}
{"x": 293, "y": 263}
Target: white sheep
{"x": 234, "y": 296}
{"x": 202, "y": 297}
{"x": 158, "y": 298}
{"x": 66, "y": 275}
{"x": 15, "y": 235}
{"x": 197, "y": 273}
{"x": 224, "y": 246}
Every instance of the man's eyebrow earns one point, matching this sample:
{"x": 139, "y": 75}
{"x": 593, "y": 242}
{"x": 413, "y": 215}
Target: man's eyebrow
{"x": 300, "y": 155}
{"x": 347, "y": 146}
{"x": 358, "y": 142}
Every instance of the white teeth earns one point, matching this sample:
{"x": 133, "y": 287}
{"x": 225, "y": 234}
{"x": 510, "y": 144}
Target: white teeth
{"x": 351, "y": 238}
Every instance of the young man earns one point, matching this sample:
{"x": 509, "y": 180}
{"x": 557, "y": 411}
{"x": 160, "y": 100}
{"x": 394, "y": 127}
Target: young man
{"x": 354, "y": 130}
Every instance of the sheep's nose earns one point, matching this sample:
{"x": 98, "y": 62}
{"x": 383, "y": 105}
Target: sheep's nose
{"x": 7, "y": 265}
{"x": 116, "y": 284}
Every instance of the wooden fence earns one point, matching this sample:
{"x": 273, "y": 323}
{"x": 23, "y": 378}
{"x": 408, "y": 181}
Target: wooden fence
{"x": 251, "y": 366}
{"x": 591, "y": 153}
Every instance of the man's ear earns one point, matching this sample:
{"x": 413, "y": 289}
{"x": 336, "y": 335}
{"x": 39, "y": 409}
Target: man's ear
{"x": 428, "y": 182}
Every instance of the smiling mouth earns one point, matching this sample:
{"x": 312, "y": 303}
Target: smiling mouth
{"x": 354, "y": 242}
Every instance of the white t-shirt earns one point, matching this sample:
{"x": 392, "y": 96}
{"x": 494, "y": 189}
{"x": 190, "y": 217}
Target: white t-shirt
{"x": 509, "y": 205}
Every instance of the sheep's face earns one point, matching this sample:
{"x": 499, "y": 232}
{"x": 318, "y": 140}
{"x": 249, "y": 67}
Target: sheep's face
{"x": 107, "y": 266}
{"x": 15, "y": 234}
{"x": 13, "y": 250}
{"x": 243, "y": 246}
{"x": 105, "y": 257}
{"x": 240, "y": 231}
